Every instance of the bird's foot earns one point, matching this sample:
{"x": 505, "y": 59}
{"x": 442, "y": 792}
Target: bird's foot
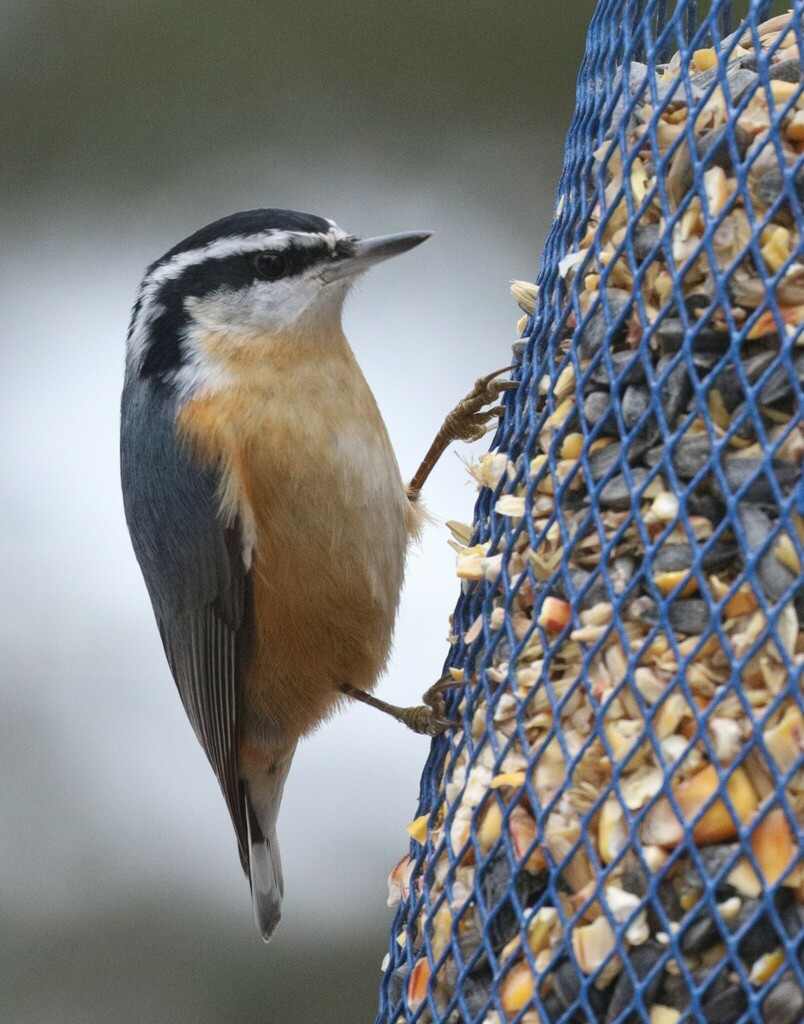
{"x": 468, "y": 421}
{"x": 427, "y": 719}
{"x": 431, "y": 717}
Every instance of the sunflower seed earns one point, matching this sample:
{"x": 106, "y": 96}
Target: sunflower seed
{"x": 596, "y": 329}
{"x": 704, "y": 338}
{"x": 636, "y": 76}
{"x": 700, "y": 934}
{"x": 625, "y": 370}
{"x": 786, "y": 70}
{"x": 553, "y": 1008}
{"x": 495, "y": 883}
{"x": 677, "y": 557}
{"x": 580, "y": 578}
{"x": 761, "y": 937}
{"x": 729, "y": 384}
{"x": 770, "y": 186}
{"x": 725, "y": 1007}
{"x": 706, "y": 506}
{"x": 691, "y": 616}
{"x": 635, "y": 403}
{"x": 567, "y": 986}
{"x": 700, "y": 83}
{"x": 674, "y": 992}
{"x": 601, "y": 460}
{"x": 754, "y": 475}
{"x": 642, "y": 960}
{"x": 689, "y": 454}
{"x": 397, "y": 984}
{"x": 476, "y": 990}
{"x": 644, "y": 240}
{"x": 618, "y": 493}
{"x": 739, "y": 82}
{"x": 675, "y": 391}
{"x": 566, "y": 983}
{"x": 672, "y": 558}
{"x": 712, "y": 148}
{"x": 775, "y": 579}
{"x": 779, "y": 384}
{"x": 784, "y": 1004}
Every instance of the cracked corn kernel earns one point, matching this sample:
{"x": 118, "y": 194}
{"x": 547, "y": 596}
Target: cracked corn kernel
{"x": 773, "y": 845}
{"x": 517, "y": 989}
{"x": 776, "y": 251}
{"x": 417, "y": 829}
{"x": 703, "y": 60}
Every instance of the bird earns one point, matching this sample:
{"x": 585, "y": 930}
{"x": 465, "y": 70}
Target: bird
{"x": 264, "y": 501}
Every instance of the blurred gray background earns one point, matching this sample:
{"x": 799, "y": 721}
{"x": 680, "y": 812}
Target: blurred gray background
{"x": 126, "y": 125}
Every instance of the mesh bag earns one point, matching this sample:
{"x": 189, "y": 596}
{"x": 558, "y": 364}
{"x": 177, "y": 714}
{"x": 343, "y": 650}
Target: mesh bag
{"x": 613, "y": 831}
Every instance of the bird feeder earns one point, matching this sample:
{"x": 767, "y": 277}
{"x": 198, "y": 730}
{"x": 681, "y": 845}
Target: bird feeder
{"x": 613, "y": 830}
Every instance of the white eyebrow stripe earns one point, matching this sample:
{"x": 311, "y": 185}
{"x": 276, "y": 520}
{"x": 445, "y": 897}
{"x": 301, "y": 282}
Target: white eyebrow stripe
{"x": 240, "y": 245}
{"x": 219, "y": 248}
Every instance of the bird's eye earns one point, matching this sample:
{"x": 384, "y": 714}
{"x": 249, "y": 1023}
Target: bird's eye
{"x": 271, "y": 265}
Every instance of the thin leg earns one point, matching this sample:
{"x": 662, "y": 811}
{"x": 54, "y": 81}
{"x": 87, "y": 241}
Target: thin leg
{"x": 428, "y": 719}
{"x": 468, "y": 421}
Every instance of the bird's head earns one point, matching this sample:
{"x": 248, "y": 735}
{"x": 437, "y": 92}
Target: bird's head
{"x": 268, "y": 272}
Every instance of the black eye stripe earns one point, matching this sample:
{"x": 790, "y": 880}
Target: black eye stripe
{"x": 240, "y": 270}
{"x": 295, "y": 259}
{"x": 298, "y": 258}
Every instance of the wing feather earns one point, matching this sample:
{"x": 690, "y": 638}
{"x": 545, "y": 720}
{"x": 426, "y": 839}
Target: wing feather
{"x": 198, "y": 583}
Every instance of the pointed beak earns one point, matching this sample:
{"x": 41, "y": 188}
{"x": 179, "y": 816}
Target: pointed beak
{"x": 368, "y": 251}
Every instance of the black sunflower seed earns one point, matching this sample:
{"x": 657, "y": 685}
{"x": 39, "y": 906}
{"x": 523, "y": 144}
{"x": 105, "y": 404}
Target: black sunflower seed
{"x": 642, "y": 960}
{"x": 596, "y": 328}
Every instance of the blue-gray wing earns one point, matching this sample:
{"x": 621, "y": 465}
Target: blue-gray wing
{"x": 194, "y": 571}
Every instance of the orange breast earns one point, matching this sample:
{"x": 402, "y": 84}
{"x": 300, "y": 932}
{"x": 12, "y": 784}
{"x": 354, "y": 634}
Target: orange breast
{"x": 308, "y": 467}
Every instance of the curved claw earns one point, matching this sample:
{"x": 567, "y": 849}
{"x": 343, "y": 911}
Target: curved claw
{"x": 440, "y": 686}
{"x": 433, "y": 699}
{"x": 488, "y": 388}
{"x": 484, "y": 381}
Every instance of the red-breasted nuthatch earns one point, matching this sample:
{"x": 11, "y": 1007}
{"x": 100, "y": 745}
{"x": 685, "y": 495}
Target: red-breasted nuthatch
{"x": 264, "y": 501}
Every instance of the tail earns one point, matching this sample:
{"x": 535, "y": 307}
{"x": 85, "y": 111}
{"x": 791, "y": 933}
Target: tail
{"x": 263, "y": 797}
{"x": 265, "y": 875}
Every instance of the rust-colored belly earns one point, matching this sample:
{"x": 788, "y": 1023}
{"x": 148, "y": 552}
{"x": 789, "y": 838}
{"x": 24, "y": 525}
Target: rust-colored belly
{"x": 327, "y": 574}
{"x": 307, "y": 467}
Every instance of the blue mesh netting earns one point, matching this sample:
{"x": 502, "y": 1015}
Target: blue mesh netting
{"x": 613, "y": 832}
